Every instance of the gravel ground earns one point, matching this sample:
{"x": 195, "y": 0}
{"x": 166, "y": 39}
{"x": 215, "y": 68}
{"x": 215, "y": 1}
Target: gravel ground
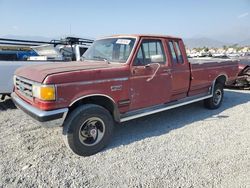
{"x": 185, "y": 147}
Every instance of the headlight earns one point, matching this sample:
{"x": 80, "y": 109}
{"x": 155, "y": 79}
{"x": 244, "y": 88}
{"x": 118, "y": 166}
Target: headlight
{"x": 44, "y": 92}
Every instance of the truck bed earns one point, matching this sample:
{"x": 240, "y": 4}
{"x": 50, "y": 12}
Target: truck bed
{"x": 205, "y": 70}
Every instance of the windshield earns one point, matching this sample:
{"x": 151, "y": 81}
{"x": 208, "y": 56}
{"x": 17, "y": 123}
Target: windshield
{"x": 110, "y": 50}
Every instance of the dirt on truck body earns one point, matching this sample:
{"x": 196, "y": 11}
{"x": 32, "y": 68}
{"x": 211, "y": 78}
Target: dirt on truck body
{"x": 121, "y": 77}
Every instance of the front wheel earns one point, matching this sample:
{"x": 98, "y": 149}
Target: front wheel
{"x": 215, "y": 101}
{"x": 88, "y": 129}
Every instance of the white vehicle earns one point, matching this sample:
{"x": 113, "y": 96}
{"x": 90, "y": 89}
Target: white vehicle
{"x": 69, "y": 49}
{"x": 233, "y": 55}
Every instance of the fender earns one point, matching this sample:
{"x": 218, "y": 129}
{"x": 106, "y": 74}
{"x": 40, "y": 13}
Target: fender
{"x": 115, "y": 111}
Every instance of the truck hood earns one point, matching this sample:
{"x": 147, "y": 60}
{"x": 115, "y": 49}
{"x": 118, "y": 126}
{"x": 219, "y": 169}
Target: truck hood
{"x": 39, "y": 72}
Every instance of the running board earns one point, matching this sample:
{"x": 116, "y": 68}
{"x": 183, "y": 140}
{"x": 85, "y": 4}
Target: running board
{"x": 159, "y": 108}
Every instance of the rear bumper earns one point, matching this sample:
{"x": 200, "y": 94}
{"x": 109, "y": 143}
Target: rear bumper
{"x": 53, "y": 118}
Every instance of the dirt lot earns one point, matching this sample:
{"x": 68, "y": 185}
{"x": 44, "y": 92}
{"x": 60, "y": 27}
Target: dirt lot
{"x": 185, "y": 147}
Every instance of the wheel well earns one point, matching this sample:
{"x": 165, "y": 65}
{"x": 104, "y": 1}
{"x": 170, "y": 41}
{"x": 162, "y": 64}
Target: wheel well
{"x": 221, "y": 79}
{"x": 103, "y": 101}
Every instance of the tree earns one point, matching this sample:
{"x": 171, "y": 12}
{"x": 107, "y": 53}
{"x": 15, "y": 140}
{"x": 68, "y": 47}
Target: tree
{"x": 206, "y": 49}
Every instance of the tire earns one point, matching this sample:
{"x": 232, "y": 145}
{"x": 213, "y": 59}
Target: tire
{"x": 88, "y": 129}
{"x": 215, "y": 101}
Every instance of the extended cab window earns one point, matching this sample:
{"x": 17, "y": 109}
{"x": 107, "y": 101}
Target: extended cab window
{"x": 178, "y": 51}
{"x": 150, "y": 51}
{"x": 172, "y": 51}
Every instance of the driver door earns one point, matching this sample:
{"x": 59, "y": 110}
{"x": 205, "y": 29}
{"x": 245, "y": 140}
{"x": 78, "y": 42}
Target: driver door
{"x": 151, "y": 77}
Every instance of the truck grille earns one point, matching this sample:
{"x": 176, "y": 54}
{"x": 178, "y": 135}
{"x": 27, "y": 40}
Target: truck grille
{"x": 24, "y": 87}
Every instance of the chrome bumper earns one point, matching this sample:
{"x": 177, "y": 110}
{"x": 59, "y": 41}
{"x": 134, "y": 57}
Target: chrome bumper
{"x": 53, "y": 118}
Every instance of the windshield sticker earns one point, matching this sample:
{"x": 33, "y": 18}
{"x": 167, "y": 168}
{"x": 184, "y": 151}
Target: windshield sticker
{"x": 123, "y": 41}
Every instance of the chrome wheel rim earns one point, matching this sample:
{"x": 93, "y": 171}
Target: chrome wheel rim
{"x": 91, "y": 131}
{"x": 217, "y": 96}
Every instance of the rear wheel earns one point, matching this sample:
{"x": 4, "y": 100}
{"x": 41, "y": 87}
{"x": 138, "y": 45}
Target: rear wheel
{"x": 215, "y": 101}
{"x": 88, "y": 129}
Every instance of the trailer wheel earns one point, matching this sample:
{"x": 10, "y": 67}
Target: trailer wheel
{"x": 215, "y": 101}
{"x": 88, "y": 129}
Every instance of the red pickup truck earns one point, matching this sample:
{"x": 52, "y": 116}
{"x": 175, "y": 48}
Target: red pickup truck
{"x": 120, "y": 78}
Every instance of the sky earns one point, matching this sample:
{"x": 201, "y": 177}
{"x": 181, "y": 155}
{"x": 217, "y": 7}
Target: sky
{"x": 224, "y": 20}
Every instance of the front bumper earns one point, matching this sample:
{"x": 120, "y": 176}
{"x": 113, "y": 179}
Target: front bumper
{"x": 53, "y": 118}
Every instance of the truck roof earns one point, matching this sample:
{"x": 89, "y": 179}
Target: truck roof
{"x": 143, "y": 35}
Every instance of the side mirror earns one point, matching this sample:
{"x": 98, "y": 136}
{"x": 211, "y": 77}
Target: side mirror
{"x": 157, "y": 59}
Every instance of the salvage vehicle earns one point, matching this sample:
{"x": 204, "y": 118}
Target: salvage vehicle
{"x": 243, "y": 77}
{"x": 120, "y": 78}
{"x": 36, "y": 52}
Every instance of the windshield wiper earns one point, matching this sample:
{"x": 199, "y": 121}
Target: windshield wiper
{"x": 102, "y": 58}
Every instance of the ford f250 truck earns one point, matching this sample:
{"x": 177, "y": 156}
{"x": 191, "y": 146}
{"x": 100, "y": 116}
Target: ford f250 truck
{"x": 120, "y": 78}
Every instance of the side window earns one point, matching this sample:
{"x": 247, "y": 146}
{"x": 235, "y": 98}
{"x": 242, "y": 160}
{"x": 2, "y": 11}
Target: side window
{"x": 172, "y": 51}
{"x": 151, "y": 51}
{"x": 139, "y": 60}
{"x": 145, "y": 47}
{"x": 139, "y": 54}
{"x": 179, "y": 55}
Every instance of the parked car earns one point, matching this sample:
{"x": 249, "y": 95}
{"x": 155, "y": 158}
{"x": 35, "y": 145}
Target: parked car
{"x": 68, "y": 49}
{"x": 121, "y": 78}
{"x": 16, "y": 55}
